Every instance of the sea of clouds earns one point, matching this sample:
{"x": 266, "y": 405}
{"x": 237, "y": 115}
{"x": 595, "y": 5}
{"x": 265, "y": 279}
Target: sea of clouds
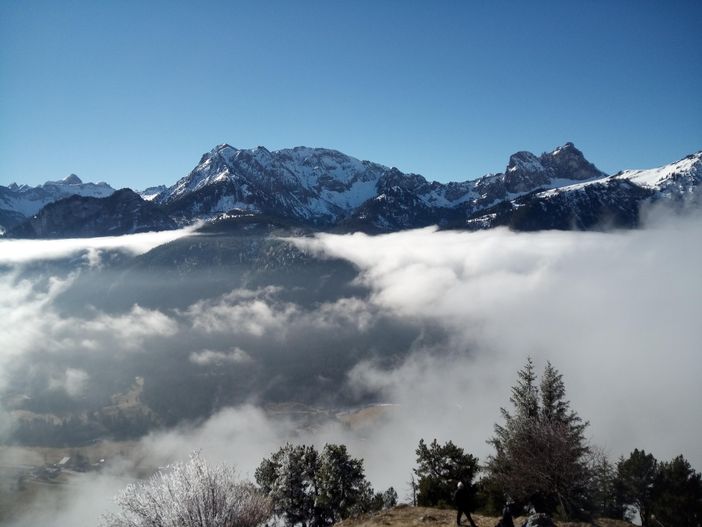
{"x": 616, "y": 312}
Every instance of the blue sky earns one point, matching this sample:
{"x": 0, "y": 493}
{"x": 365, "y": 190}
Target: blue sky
{"x": 133, "y": 92}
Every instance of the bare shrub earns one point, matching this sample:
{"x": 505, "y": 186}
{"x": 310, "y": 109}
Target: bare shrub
{"x": 192, "y": 494}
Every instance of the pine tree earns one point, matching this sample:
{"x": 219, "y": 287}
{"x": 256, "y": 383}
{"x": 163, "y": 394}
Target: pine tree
{"x": 677, "y": 494}
{"x": 309, "y": 488}
{"x": 525, "y": 393}
{"x": 439, "y": 469}
{"x": 389, "y": 498}
{"x": 342, "y": 483}
{"x": 285, "y": 479}
{"x": 540, "y": 450}
{"x": 554, "y": 406}
{"x": 636, "y": 477}
{"x": 603, "y": 487}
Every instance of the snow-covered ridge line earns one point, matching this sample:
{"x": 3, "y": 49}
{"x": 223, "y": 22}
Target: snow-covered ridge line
{"x": 326, "y": 186}
{"x": 27, "y": 200}
{"x": 688, "y": 169}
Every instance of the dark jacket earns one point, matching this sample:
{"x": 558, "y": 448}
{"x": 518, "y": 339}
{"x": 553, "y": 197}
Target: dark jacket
{"x": 461, "y": 498}
{"x": 506, "y": 520}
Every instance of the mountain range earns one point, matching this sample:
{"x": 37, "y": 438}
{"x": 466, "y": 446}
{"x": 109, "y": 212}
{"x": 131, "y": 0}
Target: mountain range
{"x": 323, "y": 189}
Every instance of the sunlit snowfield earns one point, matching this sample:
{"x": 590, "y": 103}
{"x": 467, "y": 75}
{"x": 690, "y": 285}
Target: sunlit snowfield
{"x": 438, "y": 325}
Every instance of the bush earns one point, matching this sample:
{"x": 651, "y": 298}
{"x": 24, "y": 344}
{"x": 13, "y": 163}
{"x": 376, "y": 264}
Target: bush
{"x": 193, "y": 494}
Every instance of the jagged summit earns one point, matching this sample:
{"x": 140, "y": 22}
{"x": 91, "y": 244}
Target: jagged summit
{"x": 598, "y": 201}
{"x": 567, "y": 146}
{"x": 326, "y": 189}
{"x": 18, "y": 202}
{"x": 525, "y": 161}
{"x": 72, "y": 180}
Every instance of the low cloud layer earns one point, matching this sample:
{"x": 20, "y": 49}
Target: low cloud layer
{"x": 617, "y": 313}
{"x": 24, "y": 251}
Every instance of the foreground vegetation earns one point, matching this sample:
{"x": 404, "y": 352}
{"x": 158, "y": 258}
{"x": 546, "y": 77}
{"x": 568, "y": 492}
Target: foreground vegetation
{"x": 541, "y": 463}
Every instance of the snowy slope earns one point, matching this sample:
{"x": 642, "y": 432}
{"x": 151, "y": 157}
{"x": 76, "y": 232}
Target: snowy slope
{"x": 304, "y": 182}
{"x": 605, "y": 201}
{"x": 679, "y": 178}
{"x": 326, "y": 187}
{"x": 151, "y": 193}
{"x": 323, "y": 188}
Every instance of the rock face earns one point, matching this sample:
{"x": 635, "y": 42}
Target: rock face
{"x": 318, "y": 185}
{"x": 609, "y": 201}
{"x": 18, "y": 202}
{"x": 151, "y": 193}
{"x": 322, "y": 189}
{"x": 329, "y": 189}
{"x": 124, "y": 212}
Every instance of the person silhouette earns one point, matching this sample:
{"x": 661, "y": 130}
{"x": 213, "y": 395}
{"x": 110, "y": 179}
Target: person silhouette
{"x": 461, "y": 499}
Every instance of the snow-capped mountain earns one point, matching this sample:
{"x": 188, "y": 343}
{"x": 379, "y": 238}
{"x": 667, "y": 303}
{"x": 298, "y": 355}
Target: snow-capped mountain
{"x": 327, "y": 188}
{"x": 318, "y": 188}
{"x": 607, "y": 201}
{"x": 316, "y": 185}
{"x": 18, "y": 202}
{"x": 151, "y": 193}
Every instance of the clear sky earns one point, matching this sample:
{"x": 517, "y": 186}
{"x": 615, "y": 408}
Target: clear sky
{"x": 133, "y": 92}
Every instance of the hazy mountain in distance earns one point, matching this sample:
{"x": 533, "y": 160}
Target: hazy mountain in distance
{"x": 123, "y": 212}
{"x": 18, "y": 202}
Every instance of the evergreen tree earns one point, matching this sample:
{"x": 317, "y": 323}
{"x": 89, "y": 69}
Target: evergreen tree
{"x": 389, "y": 498}
{"x": 439, "y": 469}
{"x": 636, "y": 477}
{"x": 540, "y": 450}
{"x": 309, "y": 488}
{"x": 285, "y": 479}
{"x": 604, "y": 488}
{"x": 677, "y": 495}
{"x": 343, "y": 488}
{"x": 525, "y": 395}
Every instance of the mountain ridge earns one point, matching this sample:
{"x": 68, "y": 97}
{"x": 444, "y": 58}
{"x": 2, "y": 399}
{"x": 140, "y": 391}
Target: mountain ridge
{"x": 122, "y": 212}
{"x": 328, "y": 190}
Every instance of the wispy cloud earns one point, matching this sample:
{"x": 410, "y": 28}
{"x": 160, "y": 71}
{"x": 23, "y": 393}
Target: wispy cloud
{"x": 24, "y": 251}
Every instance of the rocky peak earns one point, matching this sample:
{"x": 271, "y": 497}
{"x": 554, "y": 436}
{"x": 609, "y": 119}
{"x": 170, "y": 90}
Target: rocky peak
{"x": 567, "y": 148}
{"x": 567, "y": 162}
{"x": 222, "y": 148}
{"x": 524, "y": 173}
{"x": 72, "y": 180}
{"x": 524, "y": 162}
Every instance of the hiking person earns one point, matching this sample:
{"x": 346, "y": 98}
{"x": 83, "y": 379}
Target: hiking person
{"x": 461, "y": 498}
{"x": 507, "y": 519}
